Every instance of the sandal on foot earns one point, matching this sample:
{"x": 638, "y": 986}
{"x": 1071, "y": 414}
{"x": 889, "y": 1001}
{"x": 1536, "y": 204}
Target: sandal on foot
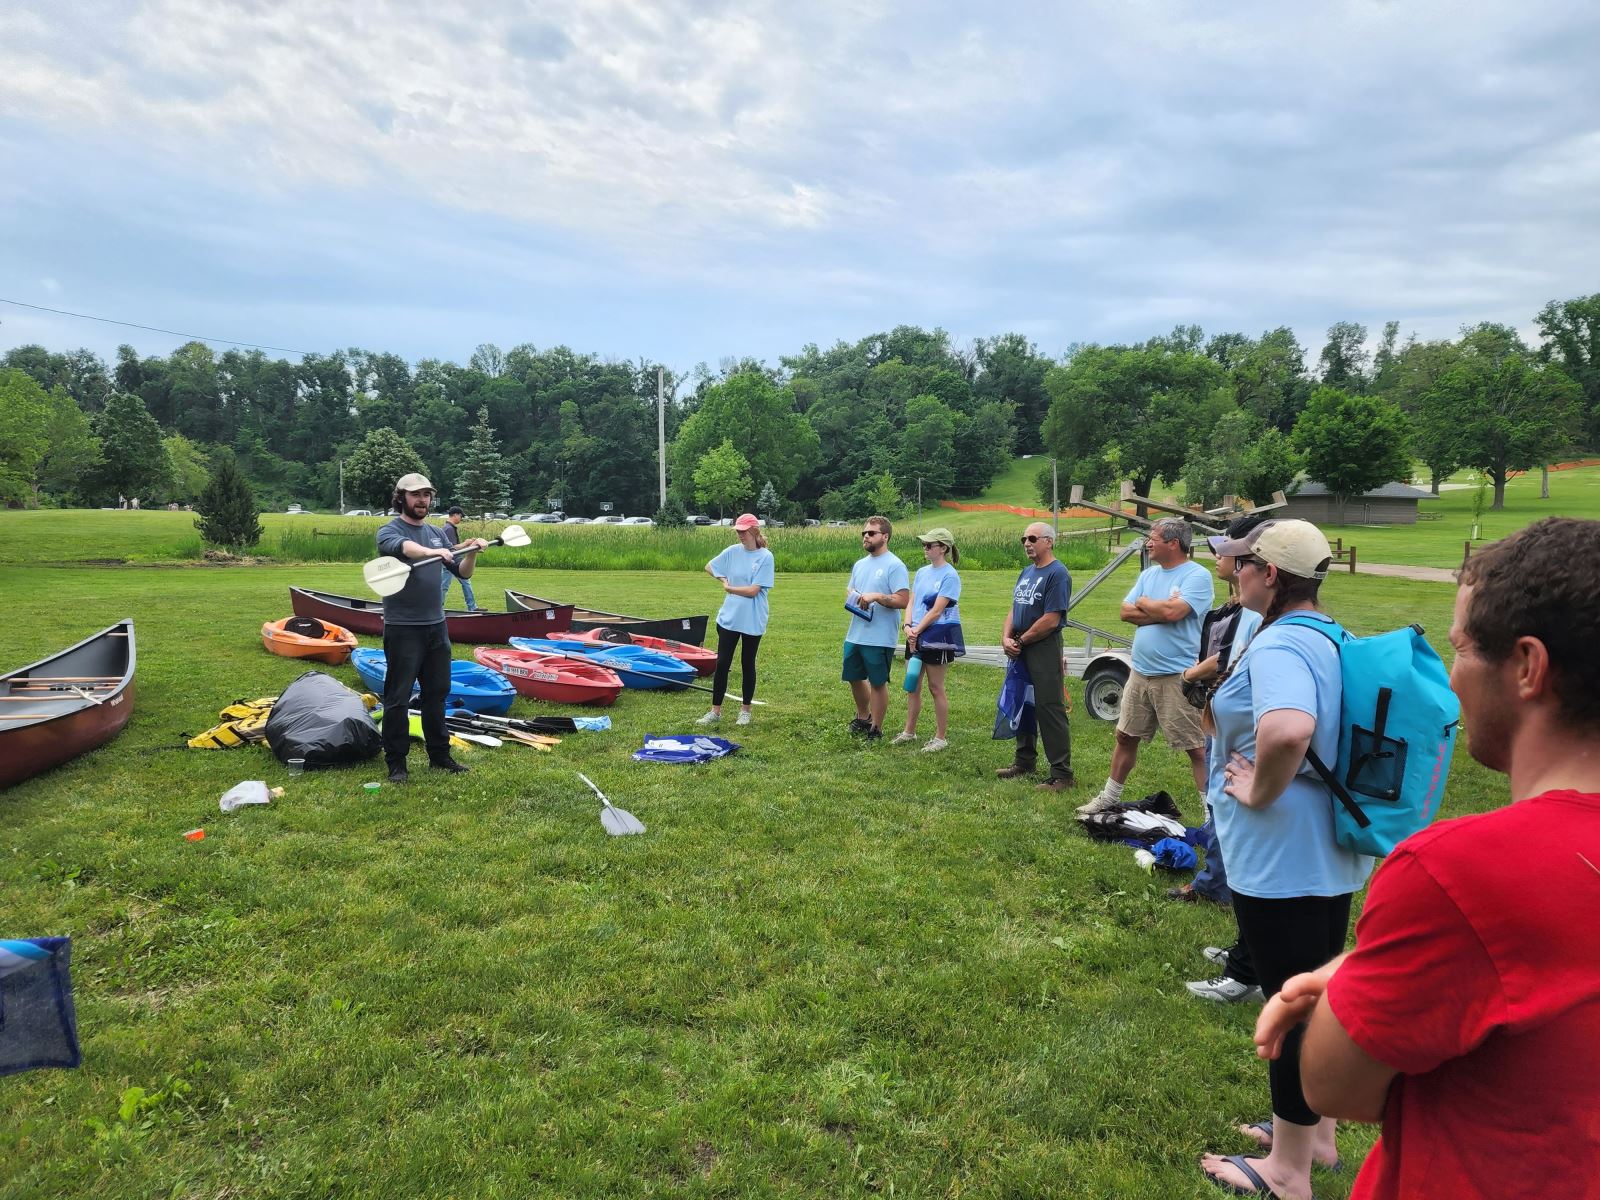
{"x": 1265, "y": 1129}
{"x": 1242, "y": 1164}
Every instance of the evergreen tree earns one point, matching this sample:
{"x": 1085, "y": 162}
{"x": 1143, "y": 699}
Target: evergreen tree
{"x": 227, "y": 507}
{"x": 767, "y": 502}
{"x": 482, "y": 485}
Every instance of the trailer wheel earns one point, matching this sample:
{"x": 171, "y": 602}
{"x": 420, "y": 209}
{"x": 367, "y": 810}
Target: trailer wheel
{"x": 1102, "y": 690}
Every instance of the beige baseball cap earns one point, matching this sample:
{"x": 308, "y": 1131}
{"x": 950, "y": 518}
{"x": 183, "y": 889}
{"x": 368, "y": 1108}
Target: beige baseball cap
{"x": 1297, "y": 547}
{"x": 413, "y": 483}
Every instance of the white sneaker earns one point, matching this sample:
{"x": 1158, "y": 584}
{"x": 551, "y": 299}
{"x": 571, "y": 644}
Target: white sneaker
{"x": 901, "y": 738}
{"x": 935, "y": 745}
{"x": 1099, "y": 804}
{"x": 1224, "y": 990}
{"x": 743, "y": 717}
{"x": 1216, "y": 954}
{"x": 711, "y": 718}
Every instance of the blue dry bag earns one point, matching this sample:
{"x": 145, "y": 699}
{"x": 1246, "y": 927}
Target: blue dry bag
{"x": 1397, "y": 730}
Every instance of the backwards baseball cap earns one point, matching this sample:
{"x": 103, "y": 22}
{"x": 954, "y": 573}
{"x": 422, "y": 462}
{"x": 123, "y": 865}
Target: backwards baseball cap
{"x": 1238, "y": 529}
{"x": 413, "y": 483}
{"x": 746, "y": 521}
{"x": 937, "y": 534}
{"x": 1297, "y": 547}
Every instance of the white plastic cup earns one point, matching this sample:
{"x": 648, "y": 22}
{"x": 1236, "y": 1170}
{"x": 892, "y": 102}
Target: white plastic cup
{"x": 297, "y": 766}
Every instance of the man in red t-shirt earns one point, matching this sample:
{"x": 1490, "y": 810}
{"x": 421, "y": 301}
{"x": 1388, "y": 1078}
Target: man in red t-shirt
{"x": 1467, "y": 1018}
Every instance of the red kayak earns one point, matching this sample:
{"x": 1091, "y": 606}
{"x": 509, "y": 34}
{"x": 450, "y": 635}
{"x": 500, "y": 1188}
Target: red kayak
{"x": 546, "y": 677}
{"x": 702, "y": 660}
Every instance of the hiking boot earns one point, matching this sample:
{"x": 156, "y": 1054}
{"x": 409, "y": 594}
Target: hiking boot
{"x": 1101, "y": 803}
{"x": 1058, "y": 783}
{"x": 1225, "y": 990}
{"x": 1216, "y": 954}
{"x": 711, "y": 718}
{"x": 902, "y": 738}
{"x": 859, "y": 726}
{"x": 935, "y": 745}
{"x": 450, "y": 765}
{"x": 1013, "y": 772}
{"x": 399, "y": 774}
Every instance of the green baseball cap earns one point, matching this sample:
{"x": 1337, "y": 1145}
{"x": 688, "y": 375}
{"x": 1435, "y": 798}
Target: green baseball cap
{"x": 937, "y": 534}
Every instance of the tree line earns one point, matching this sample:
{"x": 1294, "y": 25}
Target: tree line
{"x": 838, "y": 432}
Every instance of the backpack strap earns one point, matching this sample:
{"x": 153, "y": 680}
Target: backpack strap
{"x": 1336, "y": 634}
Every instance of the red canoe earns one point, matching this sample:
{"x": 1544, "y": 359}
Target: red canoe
{"x": 545, "y": 677}
{"x": 67, "y": 704}
{"x": 366, "y": 616}
{"x": 702, "y": 660}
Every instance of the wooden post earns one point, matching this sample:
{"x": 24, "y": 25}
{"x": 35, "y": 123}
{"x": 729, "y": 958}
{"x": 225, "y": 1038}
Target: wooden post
{"x": 1352, "y": 560}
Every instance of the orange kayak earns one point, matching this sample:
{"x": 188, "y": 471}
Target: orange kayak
{"x": 309, "y": 637}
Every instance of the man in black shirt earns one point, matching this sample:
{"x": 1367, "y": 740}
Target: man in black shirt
{"x": 416, "y": 642}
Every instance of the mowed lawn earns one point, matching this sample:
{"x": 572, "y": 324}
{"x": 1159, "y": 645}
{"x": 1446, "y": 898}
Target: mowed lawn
{"x": 829, "y": 969}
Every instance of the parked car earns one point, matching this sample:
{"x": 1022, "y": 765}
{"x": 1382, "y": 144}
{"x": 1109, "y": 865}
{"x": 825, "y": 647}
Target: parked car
{"x": 548, "y": 518}
{"x": 495, "y": 517}
{"x": 576, "y": 521}
{"x": 611, "y": 519}
{"x": 697, "y": 519}
{"x": 637, "y": 521}
{"x": 294, "y": 510}
{"x": 811, "y": 523}
{"x": 359, "y": 512}
{"x": 723, "y": 521}
{"x": 526, "y": 516}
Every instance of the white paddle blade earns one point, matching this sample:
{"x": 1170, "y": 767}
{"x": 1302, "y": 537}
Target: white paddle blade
{"x": 386, "y": 575}
{"x": 619, "y": 823}
{"x": 514, "y": 535}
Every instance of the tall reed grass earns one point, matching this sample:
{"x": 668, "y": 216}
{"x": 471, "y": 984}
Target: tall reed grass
{"x": 806, "y": 551}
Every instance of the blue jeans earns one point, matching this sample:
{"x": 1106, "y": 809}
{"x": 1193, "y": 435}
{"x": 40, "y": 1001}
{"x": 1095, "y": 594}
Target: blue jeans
{"x": 466, "y": 590}
{"x": 1212, "y": 879}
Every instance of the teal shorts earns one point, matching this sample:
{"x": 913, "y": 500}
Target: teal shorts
{"x": 867, "y": 662}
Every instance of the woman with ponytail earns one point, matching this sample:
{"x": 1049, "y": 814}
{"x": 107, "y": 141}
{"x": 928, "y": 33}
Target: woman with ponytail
{"x": 746, "y": 573}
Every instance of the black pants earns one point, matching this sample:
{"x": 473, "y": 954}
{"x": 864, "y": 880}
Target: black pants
{"x": 1043, "y": 660}
{"x": 1286, "y": 937}
{"x": 727, "y": 639}
{"x": 415, "y": 654}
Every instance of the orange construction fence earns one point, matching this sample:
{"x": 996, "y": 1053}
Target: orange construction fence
{"x": 1018, "y": 512}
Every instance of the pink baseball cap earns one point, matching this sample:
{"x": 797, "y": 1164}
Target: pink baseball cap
{"x": 746, "y": 521}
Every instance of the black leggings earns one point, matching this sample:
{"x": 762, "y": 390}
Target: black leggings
{"x": 1286, "y": 937}
{"x": 727, "y": 639}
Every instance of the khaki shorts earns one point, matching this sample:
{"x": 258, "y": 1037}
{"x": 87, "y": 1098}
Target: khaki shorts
{"x": 1152, "y": 702}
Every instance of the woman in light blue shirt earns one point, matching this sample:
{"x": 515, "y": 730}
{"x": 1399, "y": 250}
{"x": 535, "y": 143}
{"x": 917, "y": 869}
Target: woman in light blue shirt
{"x": 933, "y": 634}
{"x": 746, "y": 573}
{"x": 1292, "y": 882}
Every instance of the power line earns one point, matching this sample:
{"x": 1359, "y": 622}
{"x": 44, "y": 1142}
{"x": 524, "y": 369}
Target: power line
{"x": 193, "y": 337}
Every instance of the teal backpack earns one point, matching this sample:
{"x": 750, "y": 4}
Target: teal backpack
{"x": 1397, "y": 732}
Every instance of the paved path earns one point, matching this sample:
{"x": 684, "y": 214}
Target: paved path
{"x": 1398, "y": 571}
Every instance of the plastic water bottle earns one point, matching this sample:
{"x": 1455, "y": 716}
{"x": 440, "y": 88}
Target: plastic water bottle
{"x": 913, "y": 673}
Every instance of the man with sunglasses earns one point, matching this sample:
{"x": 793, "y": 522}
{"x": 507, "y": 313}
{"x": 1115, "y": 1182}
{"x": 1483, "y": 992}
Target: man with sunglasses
{"x": 1032, "y": 634}
{"x": 878, "y": 581}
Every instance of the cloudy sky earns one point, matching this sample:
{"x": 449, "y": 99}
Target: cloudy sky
{"x": 691, "y": 180}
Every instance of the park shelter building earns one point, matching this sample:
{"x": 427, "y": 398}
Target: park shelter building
{"x": 1392, "y": 504}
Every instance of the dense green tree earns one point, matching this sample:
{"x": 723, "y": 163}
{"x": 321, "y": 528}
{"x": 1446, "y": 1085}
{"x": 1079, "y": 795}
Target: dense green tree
{"x": 1011, "y": 371}
{"x": 72, "y": 452}
{"x": 1418, "y": 370}
{"x": 760, "y": 420}
{"x": 481, "y": 485}
{"x": 1344, "y": 357}
{"x": 1386, "y": 361}
{"x": 188, "y": 470}
{"x": 1571, "y": 332}
{"x": 928, "y": 449}
{"x": 1216, "y": 464}
{"x": 1271, "y": 464}
{"x": 373, "y": 468}
{"x": 722, "y": 477}
{"x": 227, "y": 507}
{"x": 134, "y": 461}
{"x": 1353, "y": 444}
{"x": 1269, "y": 379}
{"x": 983, "y": 443}
{"x": 1510, "y": 412}
{"x": 23, "y": 438}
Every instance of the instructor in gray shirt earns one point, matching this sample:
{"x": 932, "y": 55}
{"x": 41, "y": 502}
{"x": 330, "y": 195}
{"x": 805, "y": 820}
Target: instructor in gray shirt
{"x": 416, "y": 642}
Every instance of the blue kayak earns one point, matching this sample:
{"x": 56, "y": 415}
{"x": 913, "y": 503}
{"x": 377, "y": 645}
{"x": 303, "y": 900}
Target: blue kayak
{"x": 471, "y": 686}
{"x": 669, "y": 672}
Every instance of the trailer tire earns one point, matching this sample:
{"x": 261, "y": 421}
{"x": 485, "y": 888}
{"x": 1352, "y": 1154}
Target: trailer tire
{"x": 1102, "y": 690}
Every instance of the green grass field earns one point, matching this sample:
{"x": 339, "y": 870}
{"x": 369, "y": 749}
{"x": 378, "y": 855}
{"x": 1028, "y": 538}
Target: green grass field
{"x": 828, "y": 970}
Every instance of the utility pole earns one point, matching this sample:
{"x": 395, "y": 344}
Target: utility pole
{"x": 341, "y": 486}
{"x": 661, "y": 430}
{"x": 919, "y": 500}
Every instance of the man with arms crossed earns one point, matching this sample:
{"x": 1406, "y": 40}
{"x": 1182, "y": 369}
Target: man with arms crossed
{"x": 1166, "y": 606}
{"x": 878, "y": 581}
{"x": 1033, "y": 633}
{"x": 416, "y": 642}
{"x": 1467, "y": 1018}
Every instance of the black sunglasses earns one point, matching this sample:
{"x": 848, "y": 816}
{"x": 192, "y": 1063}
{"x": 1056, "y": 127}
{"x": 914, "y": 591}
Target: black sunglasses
{"x": 1242, "y": 561}
{"x": 872, "y": 533}
{"x": 1029, "y": 538}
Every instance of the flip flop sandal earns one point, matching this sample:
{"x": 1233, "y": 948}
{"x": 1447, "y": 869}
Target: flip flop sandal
{"x": 1242, "y": 1163}
{"x": 1265, "y": 1127}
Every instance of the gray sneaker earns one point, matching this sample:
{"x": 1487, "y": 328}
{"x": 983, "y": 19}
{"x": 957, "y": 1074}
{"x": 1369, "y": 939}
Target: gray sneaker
{"x": 1223, "y": 990}
{"x": 711, "y": 718}
{"x": 1216, "y": 954}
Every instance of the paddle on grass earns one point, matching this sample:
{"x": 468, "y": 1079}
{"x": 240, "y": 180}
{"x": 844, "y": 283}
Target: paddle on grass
{"x": 616, "y": 821}
{"x": 387, "y": 575}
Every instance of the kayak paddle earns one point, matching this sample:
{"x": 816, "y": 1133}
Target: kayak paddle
{"x": 387, "y": 575}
